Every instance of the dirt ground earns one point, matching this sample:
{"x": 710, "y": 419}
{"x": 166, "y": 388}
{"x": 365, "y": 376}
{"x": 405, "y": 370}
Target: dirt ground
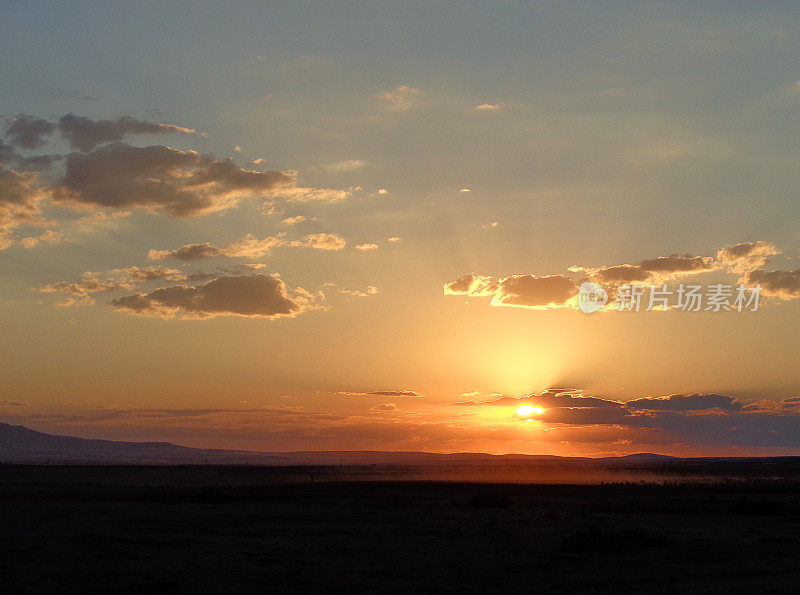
{"x": 223, "y": 530}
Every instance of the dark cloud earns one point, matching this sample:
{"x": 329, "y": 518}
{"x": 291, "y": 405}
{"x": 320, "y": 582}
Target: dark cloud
{"x": 8, "y": 156}
{"x": 255, "y": 296}
{"x": 746, "y": 256}
{"x": 694, "y": 402}
{"x": 620, "y": 274}
{"x": 530, "y": 291}
{"x": 180, "y": 183}
{"x": 187, "y": 252}
{"x": 85, "y": 134}
{"x": 655, "y": 270}
{"x": 675, "y": 264}
{"x": 695, "y": 419}
{"x": 248, "y": 247}
{"x": 7, "y": 153}
{"x": 549, "y": 398}
{"x": 36, "y": 162}
{"x": 225, "y": 271}
{"x": 781, "y": 284}
{"x": 28, "y": 132}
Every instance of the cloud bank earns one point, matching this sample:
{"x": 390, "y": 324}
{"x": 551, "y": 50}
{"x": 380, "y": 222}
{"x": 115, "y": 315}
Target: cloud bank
{"x": 258, "y": 296}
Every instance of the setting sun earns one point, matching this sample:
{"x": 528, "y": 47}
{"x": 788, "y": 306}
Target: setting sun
{"x": 525, "y": 410}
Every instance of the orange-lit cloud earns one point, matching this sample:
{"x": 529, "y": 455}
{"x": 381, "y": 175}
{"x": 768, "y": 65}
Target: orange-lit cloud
{"x": 384, "y": 393}
{"x": 528, "y": 291}
{"x": 321, "y": 241}
{"x": 555, "y": 291}
{"x": 20, "y": 197}
{"x": 698, "y": 419}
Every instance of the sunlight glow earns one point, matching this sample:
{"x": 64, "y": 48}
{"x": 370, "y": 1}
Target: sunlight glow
{"x": 526, "y": 410}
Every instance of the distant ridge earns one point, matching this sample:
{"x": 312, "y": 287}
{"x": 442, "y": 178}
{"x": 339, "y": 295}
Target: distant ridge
{"x": 19, "y": 444}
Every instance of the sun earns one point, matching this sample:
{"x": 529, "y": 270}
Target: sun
{"x": 526, "y": 410}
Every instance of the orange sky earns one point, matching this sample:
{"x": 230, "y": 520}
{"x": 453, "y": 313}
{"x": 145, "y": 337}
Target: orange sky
{"x": 369, "y": 232}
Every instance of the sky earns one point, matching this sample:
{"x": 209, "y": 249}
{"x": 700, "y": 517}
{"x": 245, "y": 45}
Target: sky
{"x": 297, "y": 226}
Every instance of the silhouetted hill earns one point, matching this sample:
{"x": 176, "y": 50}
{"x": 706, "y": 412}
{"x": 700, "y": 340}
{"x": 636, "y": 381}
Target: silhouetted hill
{"x": 19, "y": 444}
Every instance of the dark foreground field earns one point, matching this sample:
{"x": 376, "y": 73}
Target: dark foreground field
{"x": 242, "y": 530}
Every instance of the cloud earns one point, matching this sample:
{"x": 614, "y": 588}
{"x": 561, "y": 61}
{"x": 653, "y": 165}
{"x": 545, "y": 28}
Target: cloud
{"x": 780, "y": 284}
{"x": 28, "y": 132}
{"x": 187, "y": 252}
{"x": 259, "y": 296}
{"x": 35, "y": 162}
{"x": 400, "y": 99}
{"x": 293, "y": 220}
{"x": 472, "y": 286}
{"x": 548, "y": 399}
{"x": 365, "y": 247}
{"x": 394, "y": 239}
{"x": 383, "y": 393}
{"x": 118, "y": 279}
{"x": 656, "y": 270}
{"x": 321, "y": 241}
{"x": 385, "y": 408}
{"x": 487, "y": 107}
{"x": 371, "y": 290}
{"x": 693, "y": 402}
{"x": 85, "y": 286}
{"x": 248, "y": 247}
{"x": 528, "y": 291}
{"x": 293, "y": 193}
{"x": 20, "y": 196}
{"x": 225, "y": 271}
{"x": 553, "y": 291}
{"x": 12, "y": 404}
{"x": 136, "y": 274}
{"x": 348, "y": 165}
{"x": 85, "y": 134}
{"x": 695, "y": 419}
{"x": 158, "y": 178}
{"x": 746, "y": 256}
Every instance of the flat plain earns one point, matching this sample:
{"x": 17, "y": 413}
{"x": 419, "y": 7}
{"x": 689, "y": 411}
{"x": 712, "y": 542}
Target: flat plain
{"x": 227, "y": 529}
